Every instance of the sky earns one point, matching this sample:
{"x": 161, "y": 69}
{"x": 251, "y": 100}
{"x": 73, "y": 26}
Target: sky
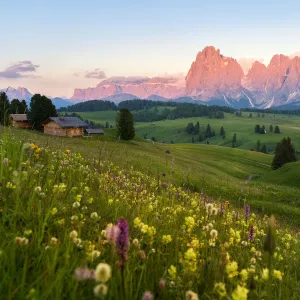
{"x": 52, "y": 47}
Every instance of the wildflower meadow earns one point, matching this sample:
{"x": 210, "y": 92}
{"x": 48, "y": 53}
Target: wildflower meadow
{"x": 73, "y": 228}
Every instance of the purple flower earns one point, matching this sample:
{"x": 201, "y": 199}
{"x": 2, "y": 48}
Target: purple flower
{"x": 84, "y": 274}
{"x": 147, "y": 296}
{"x": 251, "y": 233}
{"x": 247, "y": 212}
{"x": 122, "y": 241}
{"x": 112, "y": 233}
{"x": 5, "y": 161}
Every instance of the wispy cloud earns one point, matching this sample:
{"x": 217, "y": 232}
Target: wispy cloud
{"x": 96, "y": 73}
{"x": 19, "y": 70}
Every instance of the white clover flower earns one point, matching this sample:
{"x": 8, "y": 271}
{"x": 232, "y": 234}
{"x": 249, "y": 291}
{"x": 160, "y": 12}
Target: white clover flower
{"x": 103, "y": 272}
{"x": 74, "y": 218}
{"x": 54, "y": 241}
{"x": 94, "y": 215}
{"x": 38, "y": 189}
{"x": 21, "y": 241}
{"x": 76, "y": 204}
{"x": 214, "y": 234}
{"x": 73, "y": 234}
{"x": 95, "y": 254}
{"x": 214, "y": 211}
{"x": 100, "y": 290}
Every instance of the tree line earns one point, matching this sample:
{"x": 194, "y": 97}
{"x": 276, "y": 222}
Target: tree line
{"x": 151, "y": 111}
{"x": 262, "y": 129}
{"x": 261, "y": 112}
{"x": 13, "y": 107}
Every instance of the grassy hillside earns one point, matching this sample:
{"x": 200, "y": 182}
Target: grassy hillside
{"x": 221, "y": 172}
{"x": 174, "y": 130}
{"x": 76, "y": 228}
{"x": 243, "y": 126}
{"x": 288, "y": 175}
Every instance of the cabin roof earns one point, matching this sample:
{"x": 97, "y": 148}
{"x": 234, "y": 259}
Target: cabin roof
{"x": 67, "y": 122}
{"x": 19, "y": 117}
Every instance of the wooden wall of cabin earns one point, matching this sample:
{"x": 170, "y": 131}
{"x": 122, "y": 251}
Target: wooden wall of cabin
{"x": 20, "y": 124}
{"x": 75, "y": 131}
{"x": 54, "y": 129}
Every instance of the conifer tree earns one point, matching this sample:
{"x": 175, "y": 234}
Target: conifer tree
{"x": 258, "y": 145}
{"x": 4, "y": 109}
{"x": 208, "y": 132}
{"x": 222, "y": 131}
{"x": 277, "y": 130}
{"x": 41, "y": 108}
{"x": 257, "y": 129}
{"x": 125, "y": 124}
{"x": 284, "y": 153}
{"x": 264, "y": 149}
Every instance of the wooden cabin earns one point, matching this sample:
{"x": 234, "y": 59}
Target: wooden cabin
{"x": 94, "y": 131}
{"x": 64, "y": 126}
{"x": 19, "y": 121}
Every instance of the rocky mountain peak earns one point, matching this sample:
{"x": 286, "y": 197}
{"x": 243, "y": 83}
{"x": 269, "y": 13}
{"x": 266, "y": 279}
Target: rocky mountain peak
{"x": 212, "y": 71}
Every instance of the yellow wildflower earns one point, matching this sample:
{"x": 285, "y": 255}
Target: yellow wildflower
{"x": 232, "y": 269}
{"x": 240, "y": 293}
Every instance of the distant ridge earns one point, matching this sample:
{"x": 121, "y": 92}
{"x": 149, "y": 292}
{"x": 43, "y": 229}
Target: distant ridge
{"x": 213, "y": 78}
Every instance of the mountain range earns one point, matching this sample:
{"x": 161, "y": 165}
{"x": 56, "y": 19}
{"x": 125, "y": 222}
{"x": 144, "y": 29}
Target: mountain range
{"x": 212, "y": 78}
{"x": 23, "y": 93}
{"x": 215, "y": 79}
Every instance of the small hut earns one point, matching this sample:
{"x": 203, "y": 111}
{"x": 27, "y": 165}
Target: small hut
{"x": 19, "y": 121}
{"x": 94, "y": 131}
{"x": 64, "y": 126}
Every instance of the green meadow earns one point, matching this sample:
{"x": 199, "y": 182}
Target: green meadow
{"x": 224, "y": 173}
{"x": 174, "y": 130}
{"x": 85, "y": 218}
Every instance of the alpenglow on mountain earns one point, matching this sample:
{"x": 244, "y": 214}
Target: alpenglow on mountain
{"x": 215, "y": 79}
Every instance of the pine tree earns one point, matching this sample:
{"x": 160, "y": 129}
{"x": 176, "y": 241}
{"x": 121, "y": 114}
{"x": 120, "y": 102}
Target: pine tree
{"x": 18, "y": 107}
{"x": 222, "y": 131}
{"x": 264, "y": 149}
{"x": 234, "y": 140}
{"x": 125, "y": 124}
{"x": 257, "y": 129}
{"x": 106, "y": 125}
{"x": 284, "y": 153}
{"x": 200, "y": 138}
{"x": 250, "y": 115}
{"x": 41, "y": 108}
{"x": 193, "y": 140}
{"x": 196, "y": 128}
{"x": 190, "y": 128}
{"x": 208, "y": 132}
{"x": 271, "y": 128}
{"x": 277, "y": 130}
{"x": 263, "y": 130}
{"x": 4, "y": 109}
{"x": 258, "y": 145}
